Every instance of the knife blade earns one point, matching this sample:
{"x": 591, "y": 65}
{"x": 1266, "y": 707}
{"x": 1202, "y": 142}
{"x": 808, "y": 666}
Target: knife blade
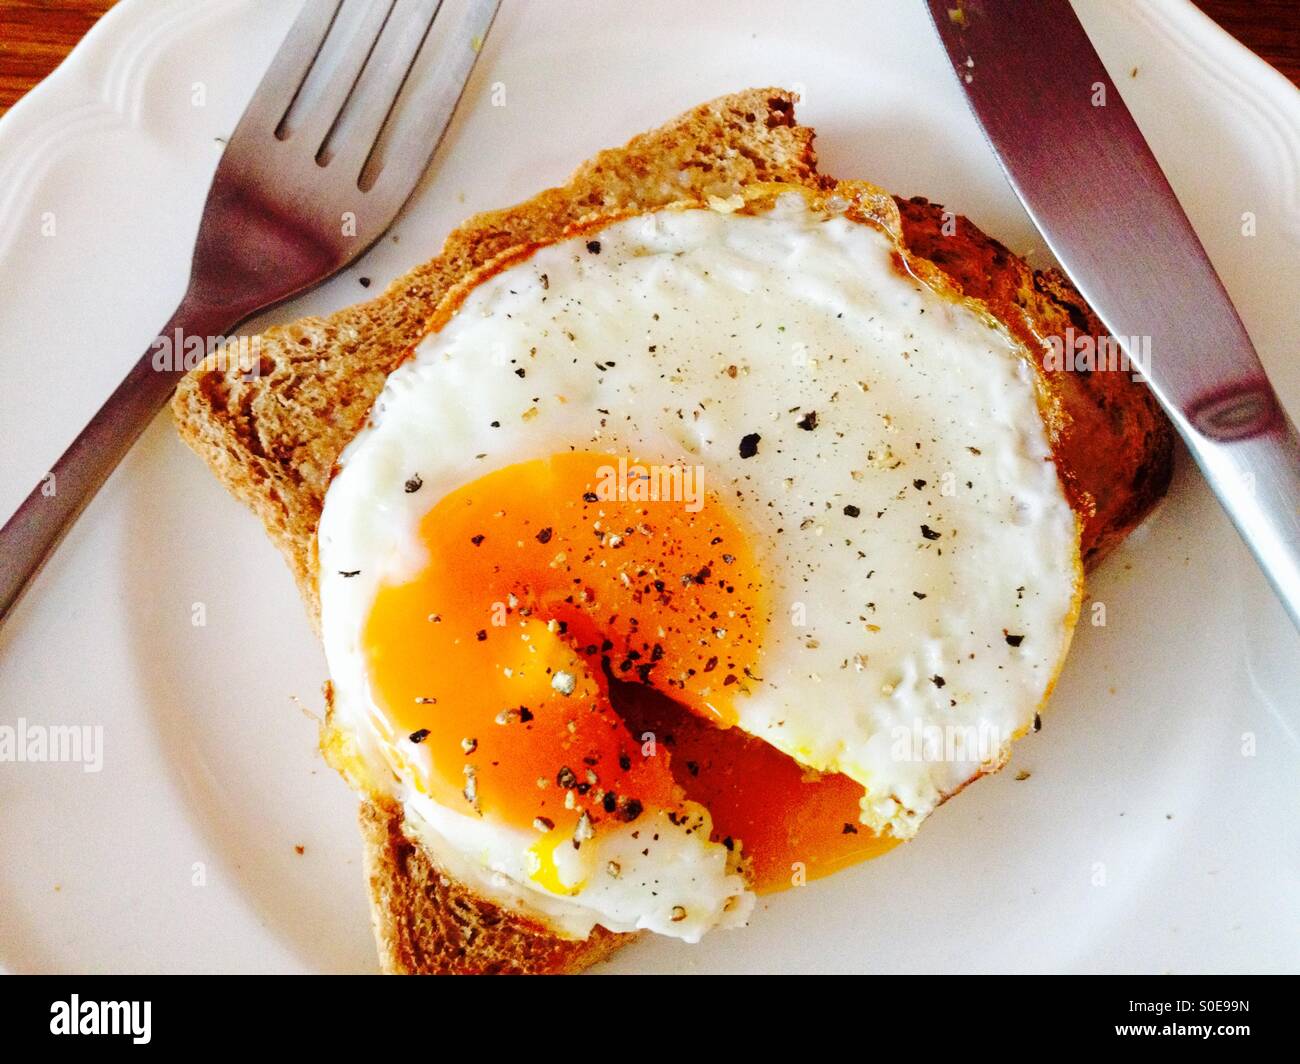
{"x": 1080, "y": 165}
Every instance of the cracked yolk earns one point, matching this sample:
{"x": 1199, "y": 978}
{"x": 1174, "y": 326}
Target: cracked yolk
{"x": 541, "y": 579}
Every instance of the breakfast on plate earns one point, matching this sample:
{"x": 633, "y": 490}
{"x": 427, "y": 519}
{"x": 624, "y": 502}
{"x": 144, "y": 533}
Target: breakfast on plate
{"x": 687, "y": 532}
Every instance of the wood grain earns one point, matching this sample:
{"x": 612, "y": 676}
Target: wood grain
{"x": 1269, "y": 28}
{"x": 35, "y": 35}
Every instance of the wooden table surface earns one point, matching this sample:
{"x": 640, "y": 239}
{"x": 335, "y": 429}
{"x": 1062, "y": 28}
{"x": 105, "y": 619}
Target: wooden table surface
{"x": 36, "y": 34}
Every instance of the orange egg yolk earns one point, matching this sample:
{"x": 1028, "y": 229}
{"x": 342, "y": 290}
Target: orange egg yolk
{"x": 540, "y": 579}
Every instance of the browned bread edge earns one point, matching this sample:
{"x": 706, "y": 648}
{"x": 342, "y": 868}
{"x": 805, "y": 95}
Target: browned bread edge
{"x": 428, "y": 924}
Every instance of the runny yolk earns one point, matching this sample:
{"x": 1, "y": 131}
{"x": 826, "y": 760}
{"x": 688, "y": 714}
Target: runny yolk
{"x": 792, "y": 825}
{"x": 541, "y": 577}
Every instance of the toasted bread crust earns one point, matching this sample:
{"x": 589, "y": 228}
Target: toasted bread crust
{"x": 428, "y": 924}
{"x": 273, "y": 440}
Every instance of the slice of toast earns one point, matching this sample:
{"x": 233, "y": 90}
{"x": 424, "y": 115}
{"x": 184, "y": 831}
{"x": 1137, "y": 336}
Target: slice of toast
{"x": 273, "y": 438}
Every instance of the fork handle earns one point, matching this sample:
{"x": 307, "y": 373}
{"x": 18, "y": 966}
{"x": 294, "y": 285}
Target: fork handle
{"x": 30, "y": 536}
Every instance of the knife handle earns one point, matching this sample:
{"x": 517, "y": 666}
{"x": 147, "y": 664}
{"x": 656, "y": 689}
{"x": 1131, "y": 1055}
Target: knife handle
{"x": 1257, "y": 479}
{"x": 36, "y": 528}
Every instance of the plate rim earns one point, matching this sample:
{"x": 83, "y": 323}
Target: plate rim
{"x": 75, "y": 73}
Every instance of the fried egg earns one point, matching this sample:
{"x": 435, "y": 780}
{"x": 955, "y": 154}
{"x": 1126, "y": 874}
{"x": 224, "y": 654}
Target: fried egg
{"x": 700, "y": 552}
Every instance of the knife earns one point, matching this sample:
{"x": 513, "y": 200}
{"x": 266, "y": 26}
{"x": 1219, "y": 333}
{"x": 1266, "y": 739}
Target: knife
{"x": 1083, "y": 171}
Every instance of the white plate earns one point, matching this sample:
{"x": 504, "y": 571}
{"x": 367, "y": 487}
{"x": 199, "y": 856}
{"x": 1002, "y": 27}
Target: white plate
{"x": 1145, "y": 839}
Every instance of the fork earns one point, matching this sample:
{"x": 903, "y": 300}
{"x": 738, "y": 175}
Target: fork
{"x": 315, "y": 172}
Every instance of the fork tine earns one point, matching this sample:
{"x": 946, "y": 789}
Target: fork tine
{"x": 427, "y": 100}
{"x": 289, "y": 68}
{"x": 354, "y": 134}
{"x": 310, "y": 119}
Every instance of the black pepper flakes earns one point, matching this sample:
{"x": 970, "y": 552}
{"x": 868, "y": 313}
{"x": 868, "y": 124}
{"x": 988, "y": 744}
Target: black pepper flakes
{"x": 852, "y": 511}
{"x": 593, "y": 246}
{"x": 749, "y": 445}
{"x": 544, "y": 536}
{"x": 929, "y": 533}
{"x": 1014, "y": 640}
{"x": 419, "y": 736}
{"x": 808, "y": 422}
